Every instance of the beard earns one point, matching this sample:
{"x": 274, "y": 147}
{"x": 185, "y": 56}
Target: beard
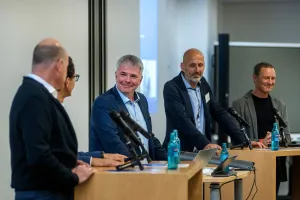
{"x": 194, "y": 79}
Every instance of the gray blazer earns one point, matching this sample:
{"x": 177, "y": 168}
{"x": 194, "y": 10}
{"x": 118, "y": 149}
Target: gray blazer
{"x": 245, "y": 107}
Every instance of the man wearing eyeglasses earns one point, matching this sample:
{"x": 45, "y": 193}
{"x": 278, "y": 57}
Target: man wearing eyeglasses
{"x": 95, "y": 158}
{"x": 190, "y": 107}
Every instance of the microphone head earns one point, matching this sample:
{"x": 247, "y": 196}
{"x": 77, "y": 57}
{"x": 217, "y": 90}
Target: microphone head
{"x": 124, "y": 113}
{"x": 275, "y": 110}
{"x": 114, "y": 114}
{"x": 231, "y": 111}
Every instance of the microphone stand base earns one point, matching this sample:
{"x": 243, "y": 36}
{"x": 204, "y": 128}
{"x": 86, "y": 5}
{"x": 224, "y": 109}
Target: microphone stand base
{"x": 133, "y": 161}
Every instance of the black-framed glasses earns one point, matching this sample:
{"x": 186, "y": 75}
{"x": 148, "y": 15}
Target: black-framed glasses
{"x": 76, "y": 77}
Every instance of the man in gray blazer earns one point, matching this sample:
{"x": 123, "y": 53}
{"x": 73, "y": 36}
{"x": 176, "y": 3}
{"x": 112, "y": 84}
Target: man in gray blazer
{"x": 256, "y": 107}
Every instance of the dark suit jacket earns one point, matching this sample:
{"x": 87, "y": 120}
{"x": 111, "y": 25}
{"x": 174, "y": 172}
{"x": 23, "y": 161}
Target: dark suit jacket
{"x": 107, "y": 136}
{"x": 179, "y": 114}
{"x": 42, "y": 141}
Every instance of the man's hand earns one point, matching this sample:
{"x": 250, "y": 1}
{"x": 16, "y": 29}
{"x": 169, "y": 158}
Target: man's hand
{"x": 115, "y": 157}
{"x": 213, "y": 146}
{"x": 104, "y": 162}
{"x": 84, "y": 172}
{"x": 258, "y": 144}
{"x": 80, "y": 162}
{"x": 267, "y": 139}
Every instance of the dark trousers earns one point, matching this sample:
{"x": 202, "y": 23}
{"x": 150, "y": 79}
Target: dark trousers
{"x": 277, "y": 183}
{"x": 42, "y": 195}
{"x": 281, "y": 172}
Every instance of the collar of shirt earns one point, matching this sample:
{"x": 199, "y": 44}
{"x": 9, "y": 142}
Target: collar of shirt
{"x": 125, "y": 99}
{"x": 186, "y": 83}
{"x": 49, "y": 87}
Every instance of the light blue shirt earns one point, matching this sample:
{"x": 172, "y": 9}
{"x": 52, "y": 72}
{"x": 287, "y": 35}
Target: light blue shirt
{"x": 197, "y": 105}
{"x": 136, "y": 114}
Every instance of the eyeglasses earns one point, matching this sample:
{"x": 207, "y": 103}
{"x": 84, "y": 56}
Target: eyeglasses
{"x": 76, "y": 77}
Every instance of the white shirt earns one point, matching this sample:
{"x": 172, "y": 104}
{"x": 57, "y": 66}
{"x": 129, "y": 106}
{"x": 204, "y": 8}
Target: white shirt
{"x": 49, "y": 87}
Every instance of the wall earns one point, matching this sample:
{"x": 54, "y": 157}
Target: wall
{"x": 261, "y": 21}
{"x": 123, "y": 33}
{"x": 23, "y": 24}
{"x": 286, "y": 62}
{"x": 276, "y": 22}
{"x": 181, "y": 25}
{"x": 197, "y": 28}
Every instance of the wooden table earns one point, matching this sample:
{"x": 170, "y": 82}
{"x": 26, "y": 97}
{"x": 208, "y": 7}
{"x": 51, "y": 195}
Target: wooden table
{"x": 216, "y": 182}
{"x": 265, "y": 164}
{"x": 152, "y": 183}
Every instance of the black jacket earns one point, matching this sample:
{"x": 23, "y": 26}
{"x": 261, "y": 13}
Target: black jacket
{"x": 180, "y": 116}
{"x": 42, "y": 141}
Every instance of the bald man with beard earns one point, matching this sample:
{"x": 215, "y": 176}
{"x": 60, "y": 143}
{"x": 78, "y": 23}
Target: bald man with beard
{"x": 43, "y": 142}
{"x": 190, "y": 107}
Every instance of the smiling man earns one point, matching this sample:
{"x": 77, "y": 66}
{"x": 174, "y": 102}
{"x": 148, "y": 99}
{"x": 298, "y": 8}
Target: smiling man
{"x": 256, "y": 107}
{"x": 105, "y": 134}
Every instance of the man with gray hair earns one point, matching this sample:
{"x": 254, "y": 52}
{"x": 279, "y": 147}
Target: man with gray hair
{"x": 43, "y": 142}
{"x": 105, "y": 134}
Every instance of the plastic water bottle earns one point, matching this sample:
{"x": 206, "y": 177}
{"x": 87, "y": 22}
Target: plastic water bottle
{"x": 274, "y": 138}
{"x": 173, "y": 153}
{"x": 224, "y": 155}
{"x": 178, "y": 144}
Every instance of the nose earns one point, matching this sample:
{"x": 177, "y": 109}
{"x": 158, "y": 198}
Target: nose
{"x": 198, "y": 69}
{"x": 270, "y": 80}
{"x": 128, "y": 79}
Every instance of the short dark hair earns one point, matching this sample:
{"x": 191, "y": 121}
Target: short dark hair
{"x": 71, "y": 68}
{"x": 47, "y": 54}
{"x": 260, "y": 65}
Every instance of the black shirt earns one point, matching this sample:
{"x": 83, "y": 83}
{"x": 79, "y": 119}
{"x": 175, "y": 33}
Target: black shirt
{"x": 264, "y": 114}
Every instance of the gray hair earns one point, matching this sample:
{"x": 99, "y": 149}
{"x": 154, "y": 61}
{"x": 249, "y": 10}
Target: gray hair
{"x": 47, "y": 54}
{"x": 132, "y": 59}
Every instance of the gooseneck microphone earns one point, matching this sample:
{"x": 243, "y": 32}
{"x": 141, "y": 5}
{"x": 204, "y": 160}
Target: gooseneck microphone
{"x": 127, "y": 130}
{"x": 130, "y": 135}
{"x": 282, "y": 125}
{"x": 135, "y": 126}
{"x": 243, "y": 126}
{"x": 238, "y": 117}
{"x": 281, "y": 121}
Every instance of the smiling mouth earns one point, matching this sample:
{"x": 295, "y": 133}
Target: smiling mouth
{"x": 127, "y": 86}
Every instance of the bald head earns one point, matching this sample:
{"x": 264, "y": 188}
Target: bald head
{"x": 48, "y": 51}
{"x": 189, "y": 54}
{"x": 193, "y": 66}
{"x": 50, "y": 62}
{"x": 50, "y": 41}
